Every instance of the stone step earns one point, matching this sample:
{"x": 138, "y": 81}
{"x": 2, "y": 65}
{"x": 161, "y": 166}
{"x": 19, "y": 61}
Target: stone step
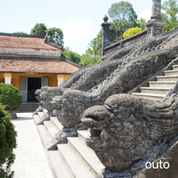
{"x": 29, "y": 105}
{"x": 36, "y": 118}
{"x": 82, "y": 134}
{"x": 26, "y": 109}
{"x": 171, "y": 72}
{"x": 57, "y": 165}
{"x": 161, "y": 84}
{"x": 56, "y": 122}
{"x": 152, "y": 90}
{"x": 149, "y": 96}
{"x": 40, "y": 114}
{"x": 45, "y": 110}
{"x": 175, "y": 67}
{"x": 44, "y": 134}
{"x": 167, "y": 78}
{"x": 51, "y": 128}
{"x": 74, "y": 163}
{"x": 86, "y": 154}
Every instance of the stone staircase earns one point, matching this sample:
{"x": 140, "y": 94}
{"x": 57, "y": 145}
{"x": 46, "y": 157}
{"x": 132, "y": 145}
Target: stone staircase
{"x": 28, "y": 107}
{"x": 71, "y": 160}
{"x": 157, "y": 90}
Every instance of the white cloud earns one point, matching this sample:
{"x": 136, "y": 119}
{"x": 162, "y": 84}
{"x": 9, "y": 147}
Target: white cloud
{"x": 74, "y": 30}
{"x": 146, "y": 14}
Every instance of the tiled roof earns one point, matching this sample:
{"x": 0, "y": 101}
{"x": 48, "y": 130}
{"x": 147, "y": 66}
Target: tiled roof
{"x": 36, "y": 65}
{"x": 24, "y": 42}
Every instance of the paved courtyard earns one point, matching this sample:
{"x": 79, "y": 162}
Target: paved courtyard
{"x": 30, "y": 159}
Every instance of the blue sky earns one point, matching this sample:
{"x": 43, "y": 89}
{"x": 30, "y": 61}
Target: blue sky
{"x": 80, "y": 20}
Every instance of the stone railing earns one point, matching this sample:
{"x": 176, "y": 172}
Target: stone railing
{"x": 125, "y": 42}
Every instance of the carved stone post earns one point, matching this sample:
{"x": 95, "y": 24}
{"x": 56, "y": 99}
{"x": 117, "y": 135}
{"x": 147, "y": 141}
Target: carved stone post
{"x": 105, "y": 34}
{"x": 155, "y": 25}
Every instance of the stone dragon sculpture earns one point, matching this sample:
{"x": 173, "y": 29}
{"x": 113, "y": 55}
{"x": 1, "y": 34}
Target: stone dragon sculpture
{"x": 137, "y": 67}
{"x": 128, "y": 131}
{"x": 89, "y": 77}
{"x": 69, "y": 107}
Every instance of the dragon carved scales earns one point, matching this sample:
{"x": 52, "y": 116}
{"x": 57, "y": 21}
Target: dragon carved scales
{"x": 89, "y": 78}
{"x": 70, "y": 107}
{"x": 127, "y": 131}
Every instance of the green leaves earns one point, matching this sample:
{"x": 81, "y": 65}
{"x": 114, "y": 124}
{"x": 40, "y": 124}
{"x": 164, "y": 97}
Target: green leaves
{"x": 21, "y": 33}
{"x": 70, "y": 55}
{"x": 7, "y": 144}
{"x": 171, "y": 9}
{"x": 123, "y": 17}
{"x": 131, "y": 31}
{"x": 38, "y": 28}
{"x": 54, "y": 35}
{"x": 122, "y": 11}
{"x": 10, "y": 96}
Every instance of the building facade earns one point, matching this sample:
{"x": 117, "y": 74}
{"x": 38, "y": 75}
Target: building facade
{"x": 30, "y": 62}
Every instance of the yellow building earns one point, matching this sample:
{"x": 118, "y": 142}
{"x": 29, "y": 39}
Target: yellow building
{"x": 30, "y": 62}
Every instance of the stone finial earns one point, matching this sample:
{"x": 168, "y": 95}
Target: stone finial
{"x": 156, "y": 9}
{"x": 105, "y": 18}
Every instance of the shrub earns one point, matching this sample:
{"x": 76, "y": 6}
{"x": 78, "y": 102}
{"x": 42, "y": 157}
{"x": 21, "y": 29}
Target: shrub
{"x": 10, "y": 96}
{"x": 167, "y": 28}
{"x": 7, "y": 143}
{"x": 131, "y": 31}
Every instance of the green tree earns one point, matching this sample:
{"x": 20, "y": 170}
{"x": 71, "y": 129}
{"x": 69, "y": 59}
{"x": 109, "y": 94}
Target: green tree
{"x": 122, "y": 11}
{"x": 54, "y": 35}
{"x": 131, "y": 31}
{"x": 142, "y": 23}
{"x": 67, "y": 53}
{"x": 123, "y": 17}
{"x": 7, "y": 144}
{"x": 39, "y": 29}
{"x": 21, "y": 33}
{"x": 171, "y": 9}
{"x": 93, "y": 53}
{"x": 95, "y": 45}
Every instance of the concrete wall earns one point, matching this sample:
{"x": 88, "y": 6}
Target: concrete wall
{"x": 30, "y": 51}
{"x": 1, "y": 77}
{"x": 52, "y": 78}
{"x": 125, "y": 42}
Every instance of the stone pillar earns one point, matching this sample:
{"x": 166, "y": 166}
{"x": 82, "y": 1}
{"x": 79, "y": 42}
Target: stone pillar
{"x": 155, "y": 26}
{"x": 105, "y": 34}
{"x": 59, "y": 81}
{"x": 7, "y": 77}
{"x": 156, "y": 9}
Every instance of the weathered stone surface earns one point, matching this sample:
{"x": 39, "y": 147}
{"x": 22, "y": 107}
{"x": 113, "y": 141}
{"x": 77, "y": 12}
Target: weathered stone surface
{"x": 13, "y": 114}
{"x": 127, "y": 132}
{"x": 135, "y": 68}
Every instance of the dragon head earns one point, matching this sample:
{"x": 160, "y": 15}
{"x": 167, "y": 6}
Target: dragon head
{"x": 124, "y": 129}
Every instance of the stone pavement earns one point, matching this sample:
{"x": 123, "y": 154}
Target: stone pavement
{"x": 31, "y": 161}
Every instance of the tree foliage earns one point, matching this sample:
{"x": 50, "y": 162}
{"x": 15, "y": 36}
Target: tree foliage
{"x": 131, "y": 31}
{"x": 93, "y": 53}
{"x": 171, "y": 9}
{"x": 21, "y": 33}
{"x": 122, "y": 11}
{"x": 67, "y": 53}
{"x": 141, "y": 23}
{"x": 7, "y": 144}
{"x": 39, "y": 29}
{"x": 10, "y": 96}
{"x": 123, "y": 17}
{"x": 55, "y": 35}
